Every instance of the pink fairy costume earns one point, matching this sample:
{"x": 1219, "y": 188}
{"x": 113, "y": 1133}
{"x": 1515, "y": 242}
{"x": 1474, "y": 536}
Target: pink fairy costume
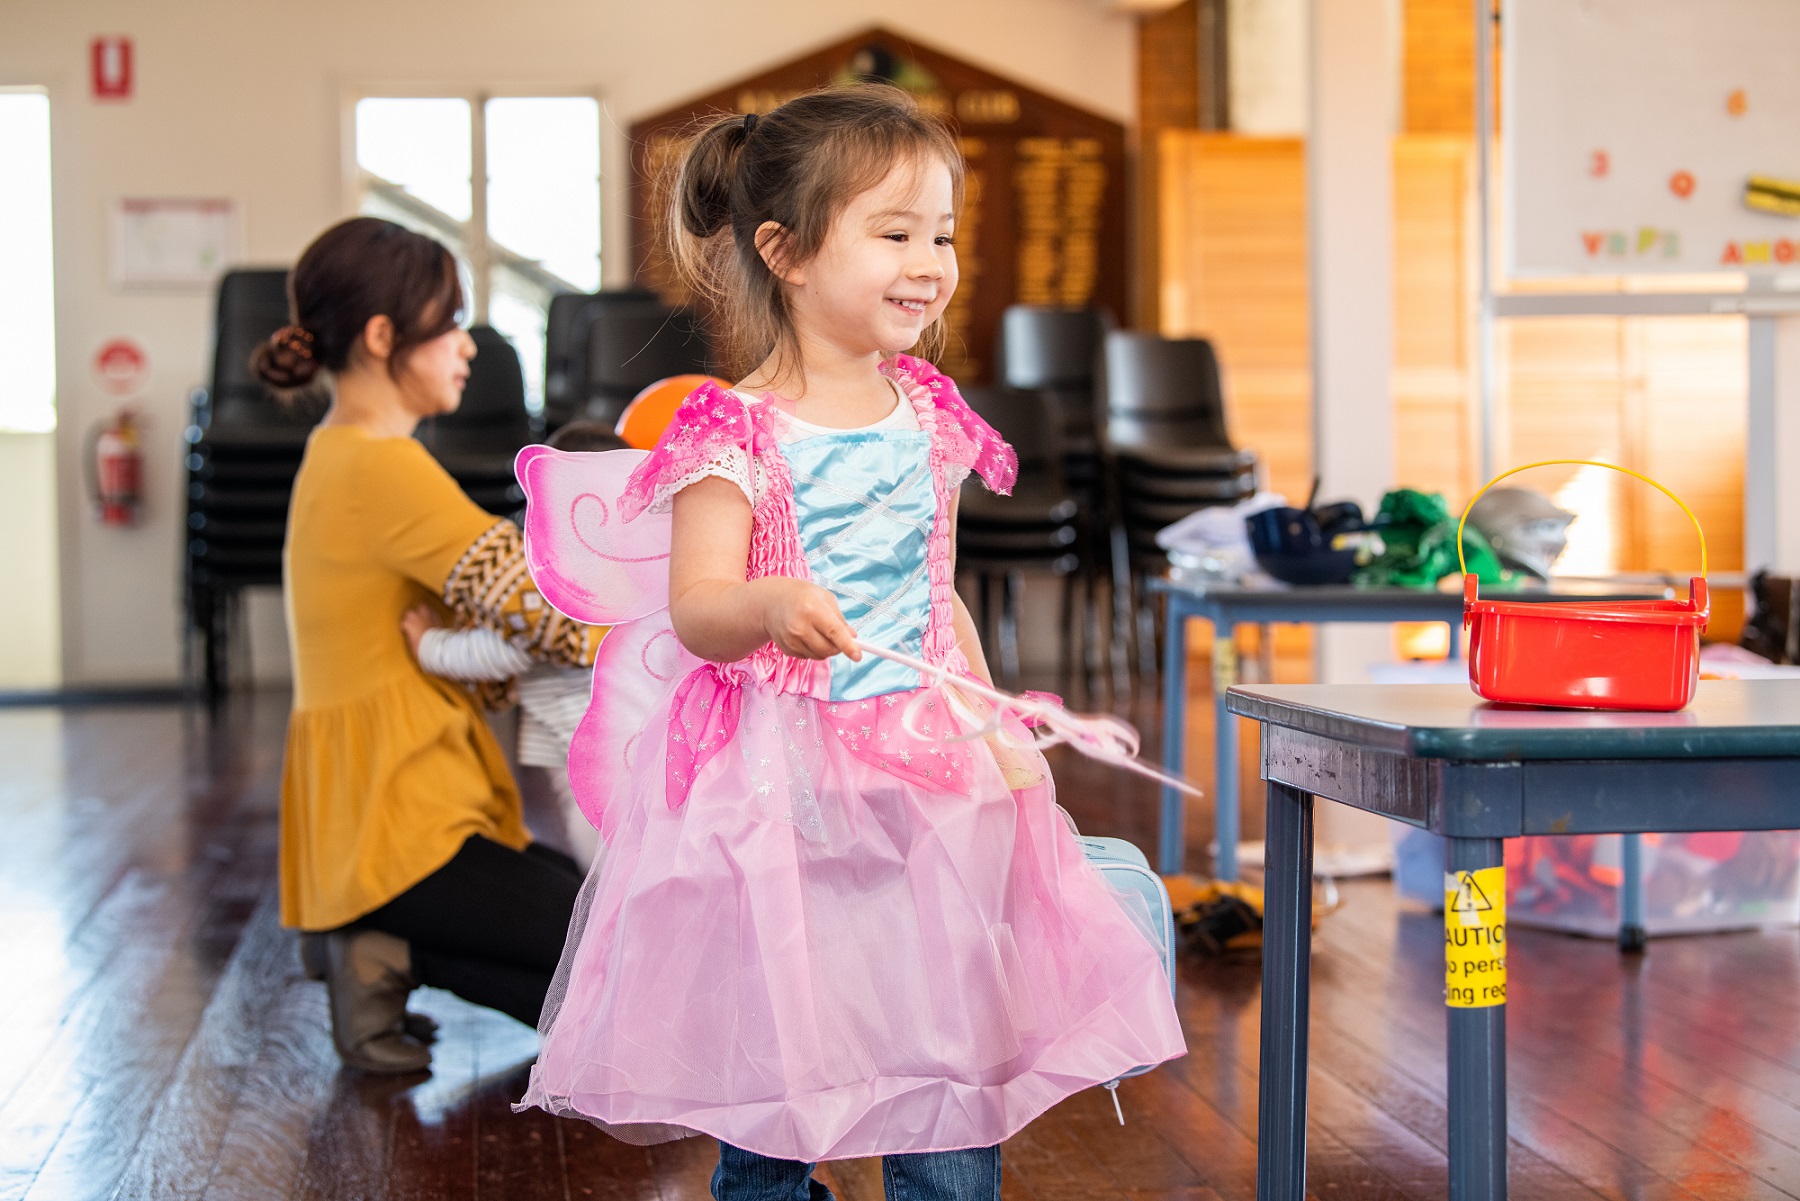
{"x": 818, "y": 930}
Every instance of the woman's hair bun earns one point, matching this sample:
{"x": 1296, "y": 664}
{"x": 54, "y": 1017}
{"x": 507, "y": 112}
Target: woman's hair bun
{"x": 703, "y": 188}
{"x": 288, "y": 360}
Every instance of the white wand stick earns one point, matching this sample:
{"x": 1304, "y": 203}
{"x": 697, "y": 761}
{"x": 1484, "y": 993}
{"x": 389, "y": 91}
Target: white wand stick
{"x": 1099, "y": 736}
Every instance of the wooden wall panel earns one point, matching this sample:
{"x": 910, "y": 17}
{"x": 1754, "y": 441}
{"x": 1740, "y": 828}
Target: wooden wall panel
{"x": 1435, "y": 421}
{"x": 1438, "y": 67}
{"x": 1168, "y": 98}
{"x": 1233, "y": 269}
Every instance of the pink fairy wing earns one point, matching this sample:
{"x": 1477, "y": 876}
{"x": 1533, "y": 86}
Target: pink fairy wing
{"x": 586, "y": 559}
{"x": 637, "y": 666}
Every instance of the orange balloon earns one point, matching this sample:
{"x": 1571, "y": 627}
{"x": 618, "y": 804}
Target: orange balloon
{"x": 651, "y": 410}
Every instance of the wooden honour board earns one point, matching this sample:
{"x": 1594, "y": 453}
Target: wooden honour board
{"x": 1044, "y": 218}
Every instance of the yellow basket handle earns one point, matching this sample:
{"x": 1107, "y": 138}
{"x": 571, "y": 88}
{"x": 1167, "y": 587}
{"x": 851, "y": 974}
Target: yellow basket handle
{"x": 1462, "y": 561}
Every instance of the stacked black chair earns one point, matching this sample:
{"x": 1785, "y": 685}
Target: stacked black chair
{"x": 1038, "y": 526}
{"x": 1169, "y": 454}
{"x": 1056, "y": 354}
{"x": 631, "y": 345}
{"x": 477, "y": 443}
{"x": 565, "y": 348}
{"x": 244, "y": 449}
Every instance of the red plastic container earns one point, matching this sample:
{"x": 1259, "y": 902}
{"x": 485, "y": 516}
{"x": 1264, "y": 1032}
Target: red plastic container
{"x": 1642, "y": 655}
{"x": 1613, "y": 655}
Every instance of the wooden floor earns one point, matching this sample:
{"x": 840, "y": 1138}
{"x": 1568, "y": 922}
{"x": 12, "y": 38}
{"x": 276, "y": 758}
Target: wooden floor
{"x": 160, "y": 1041}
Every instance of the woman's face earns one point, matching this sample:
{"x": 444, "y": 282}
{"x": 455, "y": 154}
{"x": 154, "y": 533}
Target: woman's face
{"x": 433, "y": 376}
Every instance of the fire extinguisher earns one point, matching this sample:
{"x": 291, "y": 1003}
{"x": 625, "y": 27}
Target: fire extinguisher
{"x": 117, "y": 459}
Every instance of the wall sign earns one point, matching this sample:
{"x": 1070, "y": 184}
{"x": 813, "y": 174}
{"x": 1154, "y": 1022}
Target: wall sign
{"x": 109, "y": 65}
{"x": 172, "y": 243}
{"x": 122, "y": 367}
{"x": 1044, "y": 218}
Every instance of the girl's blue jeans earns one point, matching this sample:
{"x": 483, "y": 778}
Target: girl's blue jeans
{"x": 972, "y": 1175}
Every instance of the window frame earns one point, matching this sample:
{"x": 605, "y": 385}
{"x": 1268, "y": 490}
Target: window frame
{"x": 481, "y": 251}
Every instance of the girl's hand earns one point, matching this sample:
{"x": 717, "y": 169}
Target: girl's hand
{"x": 414, "y": 622}
{"x": 804, "y": 621}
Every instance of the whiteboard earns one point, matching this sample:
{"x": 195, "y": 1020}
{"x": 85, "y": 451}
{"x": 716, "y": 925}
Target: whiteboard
{"x": 1631, "y": 128}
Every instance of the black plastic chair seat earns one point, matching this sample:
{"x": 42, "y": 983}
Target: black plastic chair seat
{"x": 1170, "y": 458}
{"x": 257, "y": 439}
{"x": 1058, "y": 540}
{"x": 1034, "y": 501}
{"x": 209, "y": 497}
{"x": 1153, "y": 515}
{"x": 229, "y": 527}
{"x": 1196, "y": 490}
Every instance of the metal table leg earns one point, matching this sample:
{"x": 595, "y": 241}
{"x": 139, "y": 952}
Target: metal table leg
{"x": 1171, "y": 846}
{"x": 1286, "y": 1005}
{"x": 1226, "y": 828}
{"x": 1632, "y": 934}
{"x": 1477, "y": 1068}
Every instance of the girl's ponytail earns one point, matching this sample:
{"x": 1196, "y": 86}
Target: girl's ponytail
{"x": 703, "y": 186}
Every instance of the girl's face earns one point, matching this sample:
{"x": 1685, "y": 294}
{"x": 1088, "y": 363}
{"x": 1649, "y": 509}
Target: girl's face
{"x": 887, "y": 269}
{"x": 433, "y": 375}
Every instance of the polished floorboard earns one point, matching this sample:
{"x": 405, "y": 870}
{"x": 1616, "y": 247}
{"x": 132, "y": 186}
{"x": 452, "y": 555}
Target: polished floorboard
{"x": 157, "y": 1038}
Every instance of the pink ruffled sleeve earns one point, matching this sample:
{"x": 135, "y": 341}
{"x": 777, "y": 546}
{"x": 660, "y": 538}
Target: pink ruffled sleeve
{"x": 710, "y": 435}
{"x": 969, "y": 442}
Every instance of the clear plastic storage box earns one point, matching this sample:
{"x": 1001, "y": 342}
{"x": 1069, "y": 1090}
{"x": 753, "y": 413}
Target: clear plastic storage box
{"x": 1693, "y": 883}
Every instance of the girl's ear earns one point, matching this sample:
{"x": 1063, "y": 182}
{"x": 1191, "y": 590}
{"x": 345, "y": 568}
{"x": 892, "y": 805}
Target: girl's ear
{"x": 378, "y": 337}
{"x": 771, "y": 244}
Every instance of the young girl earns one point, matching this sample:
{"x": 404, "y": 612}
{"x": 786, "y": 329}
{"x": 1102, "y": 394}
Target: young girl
{"x": 829, "y": 923}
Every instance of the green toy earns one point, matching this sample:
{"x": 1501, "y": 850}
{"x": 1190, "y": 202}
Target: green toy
{"x": 1418, "y": 532}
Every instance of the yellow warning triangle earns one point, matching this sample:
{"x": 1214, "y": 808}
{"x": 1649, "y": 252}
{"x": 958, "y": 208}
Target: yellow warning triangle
{"x": 1469, "y": 897}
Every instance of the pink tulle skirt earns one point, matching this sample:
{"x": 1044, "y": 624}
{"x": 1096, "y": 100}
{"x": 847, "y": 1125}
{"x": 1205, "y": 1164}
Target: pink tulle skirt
{"x": 813, "y": 959}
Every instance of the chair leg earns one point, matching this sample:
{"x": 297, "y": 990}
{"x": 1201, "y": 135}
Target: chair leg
{"x": 1143, "y": 610}
{"x": 1065, "y": 636}
{"x": 1012, "y": 583}
{"x": 984, "y": 610}
{"x": 1122, "y": 605}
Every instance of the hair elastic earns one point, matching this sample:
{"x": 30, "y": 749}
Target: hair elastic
{"x": 749, "y": 123}
{"x": 296, "y": 340}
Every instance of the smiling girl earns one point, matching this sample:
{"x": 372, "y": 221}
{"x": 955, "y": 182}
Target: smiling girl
{"x": 829, "y": 922}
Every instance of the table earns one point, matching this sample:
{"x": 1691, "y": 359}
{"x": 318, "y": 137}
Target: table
{"x": 1228, "y": 607}
{"x": 1437, "y": 757}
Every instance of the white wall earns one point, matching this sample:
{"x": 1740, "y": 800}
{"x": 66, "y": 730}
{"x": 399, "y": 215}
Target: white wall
{"x": 245, "y": 99}
{"x": 30, "y": 634}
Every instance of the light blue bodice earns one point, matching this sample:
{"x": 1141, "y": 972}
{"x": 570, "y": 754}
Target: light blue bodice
{"x": 864, "y": 504}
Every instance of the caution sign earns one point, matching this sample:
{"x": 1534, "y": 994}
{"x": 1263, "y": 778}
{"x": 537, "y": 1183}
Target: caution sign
{"x": 1475, "y": 938}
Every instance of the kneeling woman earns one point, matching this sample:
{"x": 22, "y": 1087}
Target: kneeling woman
{"x": 404, "y": 855}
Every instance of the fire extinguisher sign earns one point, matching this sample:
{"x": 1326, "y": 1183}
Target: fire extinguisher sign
{"x": 110, "y": 67}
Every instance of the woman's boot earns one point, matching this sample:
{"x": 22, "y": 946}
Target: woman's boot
{"x": 367, "y": 977}
{"x": 312, "y": 960}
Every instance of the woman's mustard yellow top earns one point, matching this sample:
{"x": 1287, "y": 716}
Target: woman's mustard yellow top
{"x": 389, "y": 769}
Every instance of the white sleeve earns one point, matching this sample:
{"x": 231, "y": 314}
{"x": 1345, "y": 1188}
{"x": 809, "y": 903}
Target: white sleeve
{"x": 473, "y": 654}
{"x": 731, "y": 463}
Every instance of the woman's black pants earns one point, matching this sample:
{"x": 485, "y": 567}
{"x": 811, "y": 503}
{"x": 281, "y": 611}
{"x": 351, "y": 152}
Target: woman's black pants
{"x": 489, "y": 925}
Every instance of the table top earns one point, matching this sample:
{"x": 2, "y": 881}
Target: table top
{"x": 1729, "y": 719}
{"x": 1348, "y": 596}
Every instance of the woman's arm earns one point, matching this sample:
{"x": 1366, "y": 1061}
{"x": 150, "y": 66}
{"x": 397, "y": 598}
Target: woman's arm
{"x": 719, "y": 614}
{"x": 968, "y": 638}
{"x": 490, "y": 587}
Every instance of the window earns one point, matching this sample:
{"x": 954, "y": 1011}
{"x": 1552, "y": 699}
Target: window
{"x": 27, "y": 289}
{"x": 510, "y": 183}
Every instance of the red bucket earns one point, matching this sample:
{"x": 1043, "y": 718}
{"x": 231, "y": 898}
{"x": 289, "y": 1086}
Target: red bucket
{"x": 1642, "y": 655}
